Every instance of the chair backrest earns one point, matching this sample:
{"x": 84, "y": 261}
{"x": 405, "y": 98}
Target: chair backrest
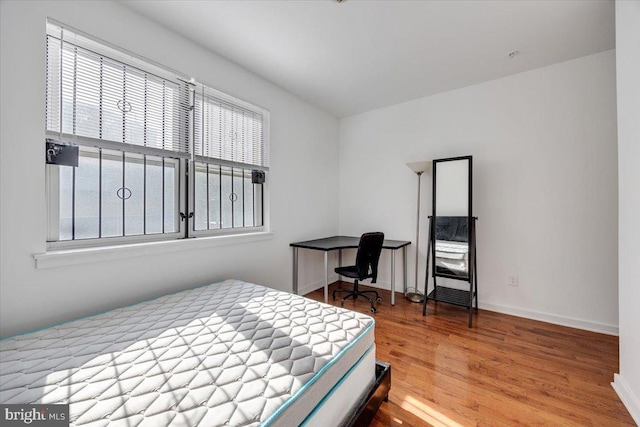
{"x": 368, "y": 255}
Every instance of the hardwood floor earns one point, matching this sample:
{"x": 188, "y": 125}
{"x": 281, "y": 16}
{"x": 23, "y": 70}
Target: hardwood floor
{"x": 505, "y": 371}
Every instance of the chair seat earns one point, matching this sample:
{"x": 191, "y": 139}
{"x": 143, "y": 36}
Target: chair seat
{"x": 350, "y": 271}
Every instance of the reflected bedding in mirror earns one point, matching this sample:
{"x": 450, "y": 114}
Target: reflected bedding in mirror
{"x": 452, "y": 257}
{"x": 452, "y": 247}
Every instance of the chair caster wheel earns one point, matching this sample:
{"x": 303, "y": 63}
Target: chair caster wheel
{"x": 373, "y": 309}
{"x": 341, "y": 303}
{"x": 379, "y": 299}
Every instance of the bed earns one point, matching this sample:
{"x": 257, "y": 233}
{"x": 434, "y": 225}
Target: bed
{"x": 225, "y": 354}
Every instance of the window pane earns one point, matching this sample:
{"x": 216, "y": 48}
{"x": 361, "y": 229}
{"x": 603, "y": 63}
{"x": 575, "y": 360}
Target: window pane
{"x": 214, "y": 197}
{"x": 213, "y": 129}
{"x": 227, "y": 204}
{"x": 200, "y": 197}
{"x": 170, "y": 201}
{"x": 133, "y": 104}
{"x": 88, "y": 96}
{"x": 248, "y": 199}
{"x": 171, "y": 121}
{"x": 67, "y": 90}
{"x": 53, "y": 82}
{"x": 92, "y": 95}
{"x": 87, "y": 198}
{"x": 112, "y": 115}
{"x": 257, "y": 207}
{"x": 154, "y": 195}
{"x": 112, "y": 204}
{"x": 66, "y": 202}
{"x": 133, "y": 194}
{"x": 155, "y": 116}
{"x": 229, "y": 131}
{"x": 233, "y": 200}
{"x": 238, "y": 196}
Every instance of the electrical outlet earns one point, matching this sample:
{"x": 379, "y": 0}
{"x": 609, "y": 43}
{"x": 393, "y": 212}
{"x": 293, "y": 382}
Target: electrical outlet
{"x": 512, "y": 280}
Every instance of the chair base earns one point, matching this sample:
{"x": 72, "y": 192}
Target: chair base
{"x": 355, "y": 293}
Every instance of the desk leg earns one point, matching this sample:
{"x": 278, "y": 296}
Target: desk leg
{"x": 295, "y": 271}
{"x": 404, "y": 261}
{"x": 393, "y": 277}
{"x": 326, "y": 277}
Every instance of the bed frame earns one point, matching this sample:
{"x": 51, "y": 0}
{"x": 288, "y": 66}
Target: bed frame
{"x": 371, "y": 403}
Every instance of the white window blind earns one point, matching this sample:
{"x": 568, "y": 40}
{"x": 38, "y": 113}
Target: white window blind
{"x": 230, "y": 130}
{"x": 97, "y": 96}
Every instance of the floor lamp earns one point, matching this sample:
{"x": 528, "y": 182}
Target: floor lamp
{"x": 419, "y": 168}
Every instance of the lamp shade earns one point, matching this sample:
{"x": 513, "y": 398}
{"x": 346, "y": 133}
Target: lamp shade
{"x": 419, "y": 167}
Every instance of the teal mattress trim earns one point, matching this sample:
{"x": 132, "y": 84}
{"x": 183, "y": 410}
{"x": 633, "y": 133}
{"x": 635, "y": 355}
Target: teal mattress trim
{"x": 338, "y": 384}
{"x": 309, "y": 383}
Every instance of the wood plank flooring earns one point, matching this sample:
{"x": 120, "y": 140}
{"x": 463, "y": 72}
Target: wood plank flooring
{"x": 505, "y": 371}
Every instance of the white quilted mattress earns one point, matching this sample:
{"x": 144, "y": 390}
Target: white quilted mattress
{"x": 229, "y": 353}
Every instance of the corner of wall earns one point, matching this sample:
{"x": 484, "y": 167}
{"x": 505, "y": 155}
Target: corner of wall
{"x": 626, "y": 395}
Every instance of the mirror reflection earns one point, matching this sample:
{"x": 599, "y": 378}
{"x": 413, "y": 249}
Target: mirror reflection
{"x": 452, "y": 212}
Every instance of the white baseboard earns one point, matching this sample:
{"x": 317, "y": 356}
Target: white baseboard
{"x": 552, "y": 318}
{"x": 527, "y": 314}
{"x": 310, "y": 287}
{"x": 629, "y": 400}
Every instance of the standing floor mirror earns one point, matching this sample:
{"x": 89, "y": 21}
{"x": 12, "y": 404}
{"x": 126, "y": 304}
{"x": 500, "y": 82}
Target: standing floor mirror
{"x": 451, "y": 249}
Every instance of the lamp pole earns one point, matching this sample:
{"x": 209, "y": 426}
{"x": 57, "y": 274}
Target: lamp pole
{"x": 418, "y": 230}
{"x": 419, "y": 168}
{"x": 417, "y": 296}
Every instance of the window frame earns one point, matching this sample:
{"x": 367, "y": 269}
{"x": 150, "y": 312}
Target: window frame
{"x": 185, "y": 176}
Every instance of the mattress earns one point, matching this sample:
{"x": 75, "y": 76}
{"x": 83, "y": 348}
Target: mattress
{"x": 229, "y": 353}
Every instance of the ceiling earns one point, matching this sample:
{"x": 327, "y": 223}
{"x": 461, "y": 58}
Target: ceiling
{"x": 359, "y": 55}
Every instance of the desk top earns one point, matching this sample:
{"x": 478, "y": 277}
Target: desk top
{"x": 344, "y": 242}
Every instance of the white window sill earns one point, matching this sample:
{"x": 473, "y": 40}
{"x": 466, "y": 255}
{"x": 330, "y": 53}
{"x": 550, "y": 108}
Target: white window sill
{"x": 61, "y": 258}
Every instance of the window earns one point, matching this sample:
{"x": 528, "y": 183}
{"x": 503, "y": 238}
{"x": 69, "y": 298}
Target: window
{"x": 160, "y": 157}
{"x": 116, "y": 193}
{"x": 229, "y": 143}
{"x": 225, "y": 198}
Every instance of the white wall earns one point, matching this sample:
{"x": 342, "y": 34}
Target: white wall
{"x": 627, "y": 383}
{"x": 303, "y": 176}
{"x": 545, "y": 184}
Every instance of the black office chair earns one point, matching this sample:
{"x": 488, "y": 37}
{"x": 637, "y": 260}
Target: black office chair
{"x": 366, "y": 267}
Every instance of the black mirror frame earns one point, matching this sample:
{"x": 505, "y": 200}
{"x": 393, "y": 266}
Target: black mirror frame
{"x": 443, "y": 293}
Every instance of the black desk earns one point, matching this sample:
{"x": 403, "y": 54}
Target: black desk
{"x": 347, "y": 242}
